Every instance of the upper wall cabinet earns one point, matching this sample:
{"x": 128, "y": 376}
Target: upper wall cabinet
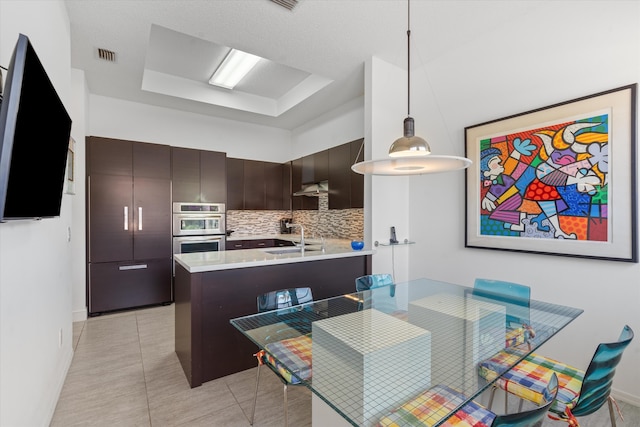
{"x": 257, "y": 185}
{"x": 198, "y": 175}
{"x": 339, "y": 177}
{"x": 254, "y": 185}
{"x": 274, "y": 183}
{"x": 357, "y": 180}
{"x": 346, "y": 187}
{"x": 315, "y": 167}
{"x": 286, "y": 186}
{"x": 235, "y": 184}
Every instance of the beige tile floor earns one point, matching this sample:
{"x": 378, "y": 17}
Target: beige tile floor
{"x": 125, "y": 373}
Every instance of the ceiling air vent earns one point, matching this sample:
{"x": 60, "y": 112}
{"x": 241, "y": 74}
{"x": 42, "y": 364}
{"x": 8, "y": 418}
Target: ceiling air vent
{"x": 288, "y": 4}
{"x": 107, "y": 55}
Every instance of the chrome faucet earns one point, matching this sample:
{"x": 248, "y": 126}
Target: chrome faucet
{"x": 290, "y": 225}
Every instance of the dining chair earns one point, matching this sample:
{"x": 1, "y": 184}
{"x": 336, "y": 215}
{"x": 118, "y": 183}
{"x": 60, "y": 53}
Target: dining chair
{"x": 376, "y": 298}
{"x": 422, "y": 410}
{"x": 372, "y": 281}
{"x": 581, "y": 393}
{"x": 517, "y": 300}
{"x": 290, "y": 350}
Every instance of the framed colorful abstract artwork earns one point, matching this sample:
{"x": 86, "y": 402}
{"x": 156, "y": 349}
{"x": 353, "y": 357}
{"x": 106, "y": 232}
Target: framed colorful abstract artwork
{"x": 559, "y": 180}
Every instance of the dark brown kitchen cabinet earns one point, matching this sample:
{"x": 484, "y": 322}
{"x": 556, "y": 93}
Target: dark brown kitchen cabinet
{"x": 339, "y": 177}
{"x": 232, "y": 245}
{"x": 273, "y": 184}
{"x": 249, "y": 244}
{"x": 121, "y": 285}
{"x": 315, "y": 167}
{"x": 257, "y": 244}
{"x": 286, "y": 186}
{"x": 198, "y": 175}
{"x": 346, "y": 188}
{"x": 128, "y": 224}
{"x": 357, "y": 180}
{"x": 235, "y": 184}
{"x": 213, "y": 177}
{"x": 256, "y": 185}
{"x": 185, "y": 174}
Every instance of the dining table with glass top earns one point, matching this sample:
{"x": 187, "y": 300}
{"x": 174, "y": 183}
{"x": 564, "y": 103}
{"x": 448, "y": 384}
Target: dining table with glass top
{"x": 375, "y": 350}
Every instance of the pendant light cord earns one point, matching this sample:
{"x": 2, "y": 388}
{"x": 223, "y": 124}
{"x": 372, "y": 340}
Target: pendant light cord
{"x": 408, "y": 58}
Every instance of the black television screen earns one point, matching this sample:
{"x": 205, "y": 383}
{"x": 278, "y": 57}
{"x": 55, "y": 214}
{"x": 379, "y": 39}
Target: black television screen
{"x": 34, "y": 139}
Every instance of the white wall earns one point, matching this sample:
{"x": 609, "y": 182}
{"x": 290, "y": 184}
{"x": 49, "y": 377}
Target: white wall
{"x": 334, "y": 128}
{"x": 35, "y": 256}
{"x": 79, "y": 108}
{"x": 386, "y": 197}
{"x": 553, "y": 53}
{"x": 113, "y": 118}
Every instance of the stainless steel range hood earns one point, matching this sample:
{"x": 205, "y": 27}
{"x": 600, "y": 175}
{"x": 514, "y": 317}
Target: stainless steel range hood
{"x": 313, "y": 190}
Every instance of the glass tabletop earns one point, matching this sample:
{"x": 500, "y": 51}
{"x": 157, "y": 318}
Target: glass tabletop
{"x": 375, "y": 350}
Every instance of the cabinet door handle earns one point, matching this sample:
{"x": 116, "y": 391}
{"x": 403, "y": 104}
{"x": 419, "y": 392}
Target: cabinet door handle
{"x": 132, "y": 267}
{"x": 140, "y": 218}
{"x": 126, "y": 218}
{"x": 261, "y": 244}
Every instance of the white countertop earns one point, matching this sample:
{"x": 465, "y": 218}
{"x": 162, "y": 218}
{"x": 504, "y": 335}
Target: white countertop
{"x": 199, "y": 262}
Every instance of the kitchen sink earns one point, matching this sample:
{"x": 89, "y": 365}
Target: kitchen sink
{"x": 289, "y": 250}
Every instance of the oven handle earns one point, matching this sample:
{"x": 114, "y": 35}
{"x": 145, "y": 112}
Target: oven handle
{"x": 198, "y": 238}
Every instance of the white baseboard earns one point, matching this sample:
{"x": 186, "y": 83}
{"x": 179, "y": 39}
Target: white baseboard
{"x": 56, "y": 389}
{"x": 80, "y": 315}
{"x": 625, "y": 397}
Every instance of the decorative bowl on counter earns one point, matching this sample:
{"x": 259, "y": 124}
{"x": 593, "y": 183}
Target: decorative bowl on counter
{"x": 357, "y": 245}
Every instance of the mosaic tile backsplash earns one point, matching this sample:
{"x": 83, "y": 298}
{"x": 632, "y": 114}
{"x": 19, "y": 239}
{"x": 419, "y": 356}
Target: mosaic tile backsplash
{"x": 325, "y": 222}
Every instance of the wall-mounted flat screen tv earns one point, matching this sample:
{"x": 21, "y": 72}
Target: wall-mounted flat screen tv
{"x": 34, "y": 139}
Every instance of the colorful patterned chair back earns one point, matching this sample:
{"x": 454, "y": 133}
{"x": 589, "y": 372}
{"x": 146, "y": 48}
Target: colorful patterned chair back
{"x": 426, "y": 408}
{"x": 596, "y": 384}
{"x": 533, "y": 417}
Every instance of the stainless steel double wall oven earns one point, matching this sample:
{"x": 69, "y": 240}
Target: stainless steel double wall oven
{"x": 198, "y": 227}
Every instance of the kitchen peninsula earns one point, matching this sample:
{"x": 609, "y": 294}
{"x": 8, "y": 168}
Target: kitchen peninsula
{"x": 213, "y": 287}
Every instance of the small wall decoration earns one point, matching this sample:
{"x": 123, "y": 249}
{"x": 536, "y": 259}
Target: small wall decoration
{"x": 70, "y": 184}
{"x": 559, "y": 180}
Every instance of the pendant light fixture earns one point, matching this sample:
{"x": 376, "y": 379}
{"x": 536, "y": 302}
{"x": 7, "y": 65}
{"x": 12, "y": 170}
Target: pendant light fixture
{"x": 410, "y": 154}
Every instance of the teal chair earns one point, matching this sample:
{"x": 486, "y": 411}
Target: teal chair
{"x": 516, "y": 298}
{"x": 294, "y": 349}
{"x": 372, "y": 281}
{"x": 580, "y": 393}
{"x": 373, "y": 296}
{"x": 422, "y": 411}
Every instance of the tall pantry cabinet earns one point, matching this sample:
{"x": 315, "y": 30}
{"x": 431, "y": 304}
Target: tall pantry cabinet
{"x": 129, "y": 250}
